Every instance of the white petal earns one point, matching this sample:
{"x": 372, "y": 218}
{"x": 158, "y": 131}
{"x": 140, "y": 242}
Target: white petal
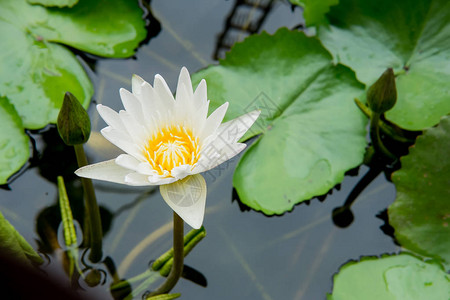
{"x": 200, "y": 94}
{"x": 136, "y": 84}
{"x": 187, "y": 197}
{"x": 184, "y": 108}
{"x": 200, "y": 118}
{"x": 110, "y": 117}
{"x": 230, "y": 152}
{"x": 152, "y": 102}
{"x": 136, "y": 130}
{"x": 107, "y": 170}
{"x": 181, "y": 171}
{"x": 127, "y": 161}
{"x": 101, "y": 146}
{"x": 233, "y": 130}
{"x": 137, "y": 179}
{"x": 211, "y": 159}
{"x": 163, "y": 91}
{"x": 115, "y": 134}
{"x": 185, "y": 78}
{"x": 146, "y": 168}
{"x": 214, "y": 120}
{"x": 132, "y": 105}
{"x": 161, "y": 180}
{"x": 117, "y": 138}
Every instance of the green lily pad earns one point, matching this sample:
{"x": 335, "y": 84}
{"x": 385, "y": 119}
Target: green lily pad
{"x": 110, "y": 28}
{"x": 311, "y": 131}
{"x": 41, "y": 73}
{"x": 57, "y": 3}
{"x": 314, "y": 11}
{"x": 420, "y": 213}
{"x": 396, "y": 277}
{"x": 411, "y": 37}
{"x": 14, "y": 147}
{"x": 101, "y": 27}
{"x": 36, "y": 73}
{"x": 15, "y": 245}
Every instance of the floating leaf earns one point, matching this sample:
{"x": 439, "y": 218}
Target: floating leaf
{"x": 15, "y": 245}
{"x": 314, "y": 11}
{"x": 57, "y": 3}
{"x": 36, "y": 76}
{"x": 421, "y": 212}
{"x": 311, "y": 130}
{"x": 112, "y": 28}
{"x": 396, "y": 277}
{"x": 14, "y": 149}
{"x": 36, "y": 73}
{"x": 102, "y": 27}
{"x": 412, "y": 38}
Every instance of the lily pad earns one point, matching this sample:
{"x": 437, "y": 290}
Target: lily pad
{"x": 15, "y": 245}
{"x": 420, "y": 213}
{"x": 57, "y": 3}
{"x": 101, "y": 27}
{"x": 396, "y": 277}
{"x": 36, "y": 73}
{"x": 14, "y": 147}
{"x": 110, "y": 28}
{"x": 413, "y": 38}
{"x": 311, "y": 132}
{"x": 40, "y": 74}
{"x": 314, "y": 11}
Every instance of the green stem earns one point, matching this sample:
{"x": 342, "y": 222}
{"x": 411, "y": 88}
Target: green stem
{"x": 93, "y": 211}
{"x": 164, "y": 263}
{"x": 178, "y": 257}
{"x": 375, "y": 136}
{"x": 121, "y": 284}
{"x": 387, "y": 129}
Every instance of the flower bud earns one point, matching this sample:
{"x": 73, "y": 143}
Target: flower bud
{"x": 382, "y": 95}
{"x": 73, "y": 123}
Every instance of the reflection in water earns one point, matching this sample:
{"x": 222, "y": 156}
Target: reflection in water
{"x": 342, "y": 216}
{"x": 245, "y": 19}
{"x": 54, "y": 159}
{"x": 386, "y": 227}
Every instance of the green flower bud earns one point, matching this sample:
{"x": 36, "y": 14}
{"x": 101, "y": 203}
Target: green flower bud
{"x": 73, "y": 123}
{"x": 382, "y": 95}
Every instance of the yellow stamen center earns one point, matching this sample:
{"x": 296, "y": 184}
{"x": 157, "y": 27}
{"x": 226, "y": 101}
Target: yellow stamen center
{"x": 172, "y": 147}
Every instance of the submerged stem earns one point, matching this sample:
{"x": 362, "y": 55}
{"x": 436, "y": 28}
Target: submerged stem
{"x": 178, "y": 257}
{"x": 375, "y": 136}
{"x": 93, "y": 211}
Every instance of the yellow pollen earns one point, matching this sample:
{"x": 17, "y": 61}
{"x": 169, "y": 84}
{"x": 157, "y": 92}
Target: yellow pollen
{"x": 171, "y": 147}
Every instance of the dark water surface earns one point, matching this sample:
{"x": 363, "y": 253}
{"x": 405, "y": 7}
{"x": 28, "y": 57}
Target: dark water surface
{"x": 245, "y": 255}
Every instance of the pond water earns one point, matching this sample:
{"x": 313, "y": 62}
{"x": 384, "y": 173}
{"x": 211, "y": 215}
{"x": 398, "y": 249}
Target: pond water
{"x": 245, "y": 255}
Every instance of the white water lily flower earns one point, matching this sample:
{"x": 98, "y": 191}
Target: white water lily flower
{"x": 168, "y": 142}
